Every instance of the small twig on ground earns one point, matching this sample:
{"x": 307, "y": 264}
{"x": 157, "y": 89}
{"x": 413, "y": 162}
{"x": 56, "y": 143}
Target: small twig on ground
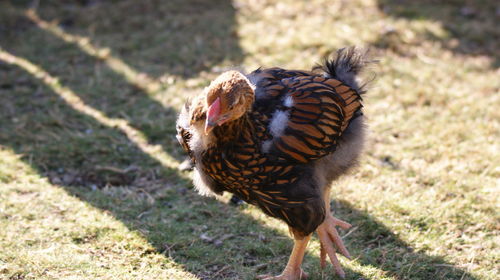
{"x": 116, "y": 169}
{"x": 221, "y": 270}
{"x": 144, "y": 213}
{"x": 350, "y": 232}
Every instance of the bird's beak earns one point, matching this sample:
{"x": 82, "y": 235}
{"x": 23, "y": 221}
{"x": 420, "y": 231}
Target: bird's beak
{"x": 209, "y": 126}
{"x": 212, "y": 116}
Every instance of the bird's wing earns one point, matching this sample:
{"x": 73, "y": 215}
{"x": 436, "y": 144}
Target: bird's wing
{"x": 268, "y": 81}
{"x": 314, "y": 112}
{"x": 277, "y": 73}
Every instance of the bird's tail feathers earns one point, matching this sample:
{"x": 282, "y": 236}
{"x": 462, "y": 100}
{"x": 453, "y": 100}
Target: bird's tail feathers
{"x": 346, "y": 65}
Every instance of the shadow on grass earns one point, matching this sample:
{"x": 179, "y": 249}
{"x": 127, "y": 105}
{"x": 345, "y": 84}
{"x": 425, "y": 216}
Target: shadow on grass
{"x": 471, "y": 26}
{"x": 174, "y": 221}
{"x": 178, "y": 37}
{"x": 375, "y": 245}
{"x": 76, "y": 152}
{"x": 171, "y": 38}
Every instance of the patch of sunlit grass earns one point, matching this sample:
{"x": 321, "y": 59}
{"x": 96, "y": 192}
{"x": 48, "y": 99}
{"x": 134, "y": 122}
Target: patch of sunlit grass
{"x": 48, "y": 233}
{"x": 88, "y": 98}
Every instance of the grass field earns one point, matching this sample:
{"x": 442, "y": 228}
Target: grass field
{"x": 89, "y": 180}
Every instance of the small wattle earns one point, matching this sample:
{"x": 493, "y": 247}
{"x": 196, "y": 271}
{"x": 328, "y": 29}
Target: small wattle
{"x": 213, "y": 114}
{"x": 214, "y": 111}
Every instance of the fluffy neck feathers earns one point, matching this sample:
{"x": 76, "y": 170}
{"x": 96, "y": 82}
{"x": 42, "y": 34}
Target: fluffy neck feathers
{"x": 229, "y": 133}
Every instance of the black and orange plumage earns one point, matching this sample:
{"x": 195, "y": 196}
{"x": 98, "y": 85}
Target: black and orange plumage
{"x": 277, "y": 139}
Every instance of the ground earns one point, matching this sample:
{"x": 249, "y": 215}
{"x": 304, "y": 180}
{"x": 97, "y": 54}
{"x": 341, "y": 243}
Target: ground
{"x": 89, "y": 92}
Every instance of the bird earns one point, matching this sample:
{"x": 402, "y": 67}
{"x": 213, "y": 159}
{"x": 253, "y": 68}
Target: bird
{"x": 277, "y": 139}
{"x": 188, "y": 164}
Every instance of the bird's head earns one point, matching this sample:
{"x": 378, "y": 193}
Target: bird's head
{"x": 228, "y": 98}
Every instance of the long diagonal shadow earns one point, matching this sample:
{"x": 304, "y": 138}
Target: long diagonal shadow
{"x": 141, "y": 80}
{"x": 171, "y": 217}
{"x": 57, "y": 136}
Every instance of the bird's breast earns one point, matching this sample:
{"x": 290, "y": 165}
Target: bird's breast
{"x": 245, "y": 170}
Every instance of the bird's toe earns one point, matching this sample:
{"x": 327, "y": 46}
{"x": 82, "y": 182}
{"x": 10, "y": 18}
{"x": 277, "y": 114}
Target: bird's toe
{"x": 331, "y": 243}
{"x": 286, "y": 275}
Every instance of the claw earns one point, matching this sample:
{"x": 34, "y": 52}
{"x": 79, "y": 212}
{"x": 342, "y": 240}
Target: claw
{"x": 285, "y": 276}
{"x": 292, "y": 270}
{"x": 331, "y": 242}
{"x": 340, "y": 223}
{"x": 337, "y": 240}
{"x": 322, "y": 257}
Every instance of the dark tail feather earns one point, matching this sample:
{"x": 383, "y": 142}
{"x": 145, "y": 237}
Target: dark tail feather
{"x": 346, "y": 65}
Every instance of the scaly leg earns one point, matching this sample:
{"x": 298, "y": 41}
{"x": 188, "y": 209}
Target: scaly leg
{"x": 292, "y": 270}
{"x": 330, "y": 238}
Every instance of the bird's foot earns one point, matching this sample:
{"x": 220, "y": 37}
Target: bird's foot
{"x": 331, "y": 242}
{"x": 286, "y": 275}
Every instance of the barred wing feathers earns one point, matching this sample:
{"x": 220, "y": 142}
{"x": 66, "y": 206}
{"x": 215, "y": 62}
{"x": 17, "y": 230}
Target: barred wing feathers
{"x": 319, "y": 109}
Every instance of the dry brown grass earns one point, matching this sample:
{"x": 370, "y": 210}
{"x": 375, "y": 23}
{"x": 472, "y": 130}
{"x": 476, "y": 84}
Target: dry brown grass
{"x": 89, "y": 92}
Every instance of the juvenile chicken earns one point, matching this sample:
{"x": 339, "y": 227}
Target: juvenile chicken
{"x": 277, "y": 139}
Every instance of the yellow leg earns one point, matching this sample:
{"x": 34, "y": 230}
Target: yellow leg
{"x": 330, "y": 238}
{"x": 292, "y": 270}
